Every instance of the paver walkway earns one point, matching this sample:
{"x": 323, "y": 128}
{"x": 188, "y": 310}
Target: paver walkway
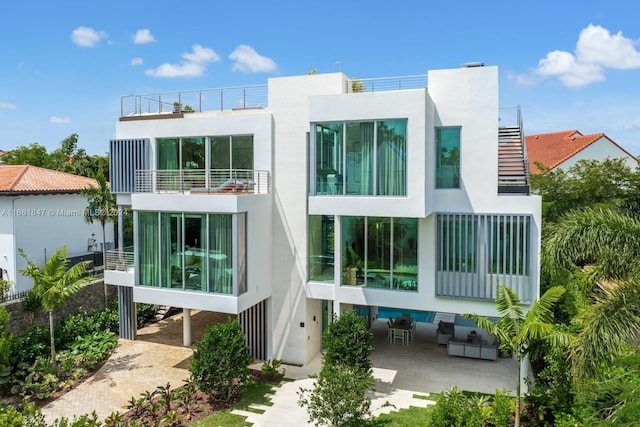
{"x": 158, "y": 357}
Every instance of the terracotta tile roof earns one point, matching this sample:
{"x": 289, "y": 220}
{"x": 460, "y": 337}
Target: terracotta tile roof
{"x": 551, "y": 149}
{"x": 33, "y": 179}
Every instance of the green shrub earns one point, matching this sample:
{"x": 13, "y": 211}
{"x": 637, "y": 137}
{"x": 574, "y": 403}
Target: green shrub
{"x": 339, "y": 396}
{"x": 452, "y": 409}
{"x": 503, "y": 408}
{"x": 270, "y": 369}
{"x": 144, "y": 313}
{"x": 33, "y": 343}
{"x": 220, "y": 361}
{"x": 31, "y": 302}
{"x": 347, "y": 341}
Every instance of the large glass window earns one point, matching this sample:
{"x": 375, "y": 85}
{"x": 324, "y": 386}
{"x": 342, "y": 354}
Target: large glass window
{"x": 321, "y": 248}
{"x": 192, "y": 251}
{"x": 380, "y": 252}
{"x": 361, "y": 158}
{"x": 329, "y": 154}
{"x": 231, "y": 152}
{"x": 220, "y": 254}
{"x": 392, "y": 157}
{"x": 448, "y": 157}
{"x": 172, "y": 259}
{"x": 148, "y": 249}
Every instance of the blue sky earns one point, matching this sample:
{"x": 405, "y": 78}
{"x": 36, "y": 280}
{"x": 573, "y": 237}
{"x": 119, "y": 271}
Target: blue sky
{"x": 65, "y": 64}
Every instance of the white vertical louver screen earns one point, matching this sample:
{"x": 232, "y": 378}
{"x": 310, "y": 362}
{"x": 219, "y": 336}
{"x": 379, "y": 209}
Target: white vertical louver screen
{"x": 125, "y": 157}
{"x": 478, "y": 251}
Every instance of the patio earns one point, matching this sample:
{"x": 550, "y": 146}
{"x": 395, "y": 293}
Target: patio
{"x": 424, "y": 366}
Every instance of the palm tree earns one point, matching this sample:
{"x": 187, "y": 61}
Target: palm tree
{"x": 516, "y": 331}
{"x": 606, "y": 245}
{"x": 55, "y": 284}
{"x": 102, "y": 208}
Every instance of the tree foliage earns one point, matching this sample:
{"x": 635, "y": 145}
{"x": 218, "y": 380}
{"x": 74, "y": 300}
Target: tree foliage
{"x": 339, "y": 394}
{"x": 347, "y": 341}
{"x": 221, "y": 360}
{"x": 517, "y": 332}
{"x": 606, "y": 244}
{"x": 589, "y": 183}
{"x": 66, "y": 158}
{"x": 55, "y": 283}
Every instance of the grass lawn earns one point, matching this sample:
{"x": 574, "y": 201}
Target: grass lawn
{"x": 415, "y": 417}
{"x": 254, "y": 392}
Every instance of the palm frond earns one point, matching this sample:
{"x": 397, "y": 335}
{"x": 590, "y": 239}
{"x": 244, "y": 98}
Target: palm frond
{"x": 608, "y": 325}
{"x": 592, "y": 235}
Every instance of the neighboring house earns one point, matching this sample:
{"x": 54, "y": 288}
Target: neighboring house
{"x": 564, "y": 149}
{"x": 41, "y": 210}
{"x": 287, "y": 202}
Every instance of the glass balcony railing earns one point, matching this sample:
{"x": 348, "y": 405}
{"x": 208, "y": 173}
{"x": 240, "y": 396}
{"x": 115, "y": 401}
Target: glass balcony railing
{"x": 211, "y": 181}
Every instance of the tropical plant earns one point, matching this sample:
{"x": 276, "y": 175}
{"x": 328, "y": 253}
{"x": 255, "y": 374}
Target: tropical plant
{"x": 516, "y": 332}
{"x": 55, "y": 284}
{"x": 339, "y": 396}
{"x": 102, "y": 208}
{"x": 220, "y": 364}
{"x": 605, "y": 243}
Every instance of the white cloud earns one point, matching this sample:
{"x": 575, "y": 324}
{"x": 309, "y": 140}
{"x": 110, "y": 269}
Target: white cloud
{"x": 192, "y": 66}
{"x": 248, "y": 60}
{"x": 59, "y": 120}
{"x": 87, "y": 37}
{"x": 596, "y": 51}
{"x": 136, "y": 61}
{"x": 201, "y": 55}
{"x": 7, "y": 105}
{"x": 188, "y": 69}
{"x": 143, "y": 37}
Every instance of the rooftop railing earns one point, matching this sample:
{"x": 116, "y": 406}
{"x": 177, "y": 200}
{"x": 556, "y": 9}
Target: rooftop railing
{"x": 208, "y": 181}
{"x": 380, "y": 84}
{"x": 243, "y": 97}
{"x": 188, "y": 101}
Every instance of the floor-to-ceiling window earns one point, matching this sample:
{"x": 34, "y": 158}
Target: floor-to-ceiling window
{"x": 392, "y": 161}
{"x": 192, "y": 251}
{"x": 321, "y": 248}
{"x": 380, "y": 252}
{"x": 328, "y": 158}
{"x": 448, "y": 157}
{"x": 360, "y": 158}
{"x": 148, "y": 249}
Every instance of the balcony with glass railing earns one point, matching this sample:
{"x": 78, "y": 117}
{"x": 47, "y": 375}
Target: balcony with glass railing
{"x": 208, "y": 181}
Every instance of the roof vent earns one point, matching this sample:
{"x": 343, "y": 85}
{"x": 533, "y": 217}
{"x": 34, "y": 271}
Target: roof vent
{"x": 472, "y": 64}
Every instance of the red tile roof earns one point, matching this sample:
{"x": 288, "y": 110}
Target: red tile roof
{"x": 551, "y": 149}
{"x": 33, "y": 179}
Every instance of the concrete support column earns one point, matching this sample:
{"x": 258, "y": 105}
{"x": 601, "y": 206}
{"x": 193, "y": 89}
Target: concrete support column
{"x": 127, "y": 316}
{"x": 120, "y": 228}
{"x": 186, "y": 327}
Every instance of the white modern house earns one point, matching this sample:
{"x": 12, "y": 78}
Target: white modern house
{"x": 41, "y": 210}
{"x": 285, "y": 202}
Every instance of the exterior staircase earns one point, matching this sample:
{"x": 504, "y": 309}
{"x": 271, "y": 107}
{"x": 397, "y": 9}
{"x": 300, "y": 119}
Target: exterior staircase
{"x": 513, "y": 165}
{"x": 162, "y": 311}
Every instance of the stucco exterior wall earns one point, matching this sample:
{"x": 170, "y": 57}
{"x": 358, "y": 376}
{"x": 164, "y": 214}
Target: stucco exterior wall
{"x": 43, "y": 223}
{"x": 599, "y": 150}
